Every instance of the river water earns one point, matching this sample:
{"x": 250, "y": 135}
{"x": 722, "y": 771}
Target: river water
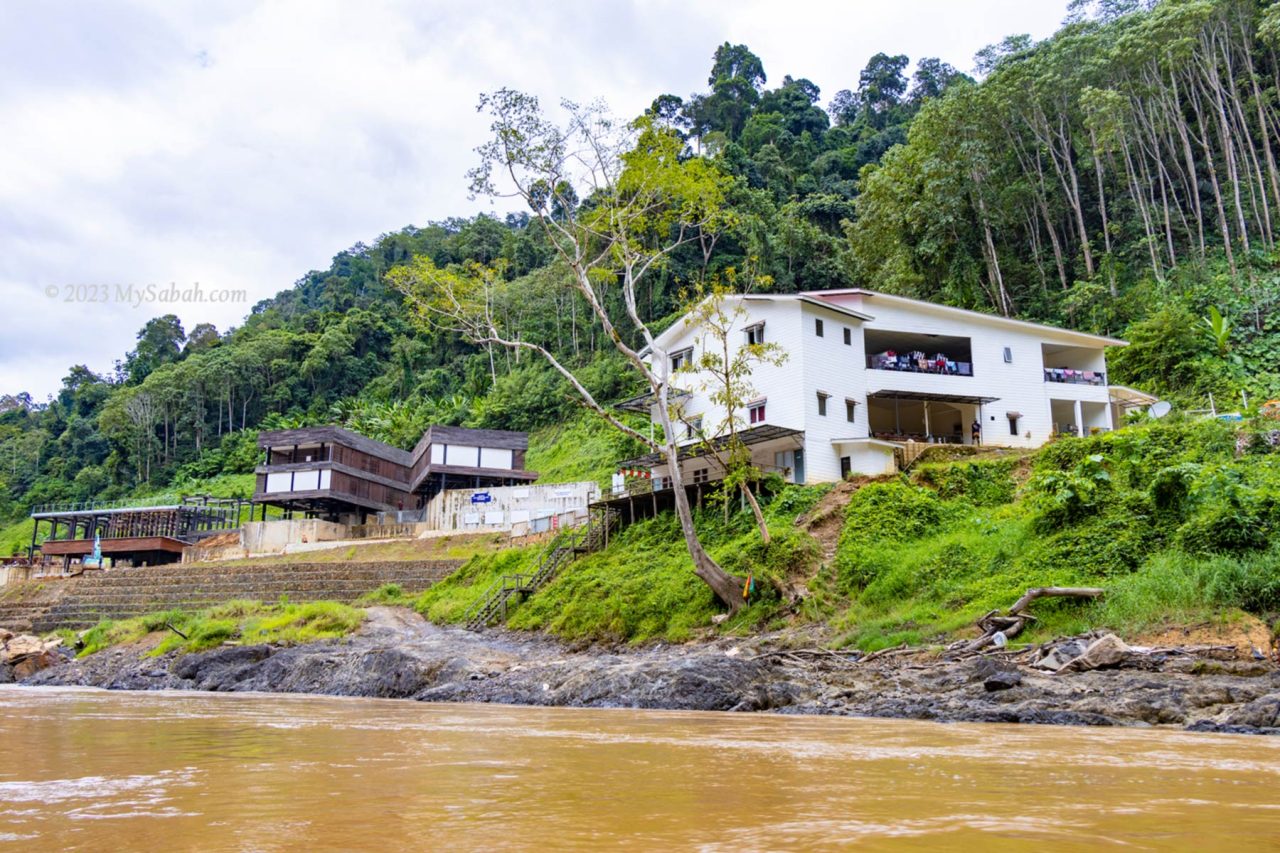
{"x": 91, "y": 770}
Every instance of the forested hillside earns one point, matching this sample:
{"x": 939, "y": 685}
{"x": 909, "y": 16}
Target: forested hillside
{"x": 1119, "y": 177}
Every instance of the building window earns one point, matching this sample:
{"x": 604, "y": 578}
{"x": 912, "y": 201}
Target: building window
{"x": 850, "y": 406}
{"x": 822, "y": 403}
{"x": 681, "y": 359}
{"x": 817, "y": 326}
{"x": 755, "y": 334}
{"x": 1013, "y": 422}
{"x": 848, "y": 336}
{"x": 1008, "y": 355}
{"x": 700, "y": 476}
{"x": 755, "y": 412}
{"x": 693, "y": 427}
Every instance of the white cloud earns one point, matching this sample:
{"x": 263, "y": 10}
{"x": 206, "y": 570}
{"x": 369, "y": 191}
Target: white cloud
{"x": 241, "y": 144}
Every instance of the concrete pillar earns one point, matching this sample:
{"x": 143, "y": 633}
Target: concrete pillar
{"x": 1079, "y": 416}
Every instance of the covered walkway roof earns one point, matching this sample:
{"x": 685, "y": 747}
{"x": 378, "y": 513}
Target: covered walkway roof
{"x": 932, "y": 397}
{"x": 1128, "y": 397}
{"x": 754, "y": 435}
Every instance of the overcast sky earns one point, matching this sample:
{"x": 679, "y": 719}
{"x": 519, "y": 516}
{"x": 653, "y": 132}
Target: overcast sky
{"x": 241, "y": 144}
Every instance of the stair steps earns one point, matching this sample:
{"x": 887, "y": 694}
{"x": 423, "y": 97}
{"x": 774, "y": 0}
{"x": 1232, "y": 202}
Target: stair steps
{"x": 125, "y": 593}
{"x": 510, "y": 590}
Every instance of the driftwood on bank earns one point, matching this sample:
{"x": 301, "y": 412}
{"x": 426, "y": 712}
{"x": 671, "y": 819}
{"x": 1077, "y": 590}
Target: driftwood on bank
{"x": 815, "y": 656}
{"x": 1012, "y": 622}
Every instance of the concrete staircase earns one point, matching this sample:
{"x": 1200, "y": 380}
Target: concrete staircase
{"x": 123, "y": 593}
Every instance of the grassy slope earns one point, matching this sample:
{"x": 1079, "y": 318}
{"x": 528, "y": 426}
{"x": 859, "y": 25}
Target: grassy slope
{"x": 244, "y": 621}
{"x": 1173, "y": 519}
{"x": 586, "y": 448}
{"x": 1167, "y": 518}
{"x": 642, "y": 586}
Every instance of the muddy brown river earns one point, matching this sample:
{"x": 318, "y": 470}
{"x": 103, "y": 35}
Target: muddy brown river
{"x": 90, "y": 770}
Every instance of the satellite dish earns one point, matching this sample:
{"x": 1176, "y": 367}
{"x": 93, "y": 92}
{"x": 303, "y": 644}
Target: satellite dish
{"x": 1160, "y": 408}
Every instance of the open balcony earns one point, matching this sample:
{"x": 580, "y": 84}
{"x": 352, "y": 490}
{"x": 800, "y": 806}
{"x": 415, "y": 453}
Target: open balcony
{"x": 1074, "y": 365}
{"x": 912, "y": 352}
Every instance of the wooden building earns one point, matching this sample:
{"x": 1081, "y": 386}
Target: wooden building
{"x": 330, "y": 472}
{"x": 135, "y": 533}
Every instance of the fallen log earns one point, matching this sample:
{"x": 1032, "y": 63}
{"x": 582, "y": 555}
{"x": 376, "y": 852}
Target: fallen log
{"x": 1011, "y": 623}
{"x": 1054, "y": 591}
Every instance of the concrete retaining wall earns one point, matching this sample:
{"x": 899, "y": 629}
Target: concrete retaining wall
{"x": 270, "y": 537}
{"x": 124, "y": 593}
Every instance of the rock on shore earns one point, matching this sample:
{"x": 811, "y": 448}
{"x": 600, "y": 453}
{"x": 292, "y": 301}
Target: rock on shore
{"x": 398, "y": 655}
{"x": 22, "y": 655}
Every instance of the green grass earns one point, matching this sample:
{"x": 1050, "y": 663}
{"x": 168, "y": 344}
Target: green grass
{"x": 583, "y": 449}
{"x": 1168, "y": 518}
{"x": 387, "y": 595}
{"x": 642, "y": 587}
{"x": 249, "y": 622}
{"x": 16, "y": 537}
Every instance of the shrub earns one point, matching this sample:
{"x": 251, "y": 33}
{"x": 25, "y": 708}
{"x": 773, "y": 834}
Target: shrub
{"x": 986, "y": 482}
{"x": 886, "y": 513}
{"x": 1060, "y": 497}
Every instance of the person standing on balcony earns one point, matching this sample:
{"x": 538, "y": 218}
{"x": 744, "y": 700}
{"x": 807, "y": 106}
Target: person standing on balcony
{"x": 975, "y": 432}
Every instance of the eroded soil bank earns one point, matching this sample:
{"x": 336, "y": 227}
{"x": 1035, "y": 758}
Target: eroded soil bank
{"x": 398, "y": 655}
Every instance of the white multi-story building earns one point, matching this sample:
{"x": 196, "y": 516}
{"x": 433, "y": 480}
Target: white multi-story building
{"x": 868, "y": 375}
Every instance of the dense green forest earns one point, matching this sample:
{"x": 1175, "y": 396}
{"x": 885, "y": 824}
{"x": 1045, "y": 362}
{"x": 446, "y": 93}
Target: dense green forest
{"x": 1118, "y": 177}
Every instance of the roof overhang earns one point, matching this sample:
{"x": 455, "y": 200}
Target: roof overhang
{"x": 872, "y": 442}
{"x": 931, "y": 397}
{"x": 754, "y": 435}
{"x": 1067, "y": 335}
{"x": 832, "y": 306}
{"x": 1129, "y": 397}
{"x": 643, "y": 403}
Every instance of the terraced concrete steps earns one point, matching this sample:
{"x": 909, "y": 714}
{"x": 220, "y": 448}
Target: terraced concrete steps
{"x": 124, "y": 593}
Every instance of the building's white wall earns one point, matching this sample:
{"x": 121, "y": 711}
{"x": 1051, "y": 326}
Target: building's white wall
{"x": 866, "y": 458}
{"x": 495, "y": 457}
{"x": 776, "y": 383}
{"x": 1019, "y": 385}
{"x": 836, "y": 369}
{"x": 471, "y": 456}
{"x": 279, "y": 482}
{"x": 828, "y": 364}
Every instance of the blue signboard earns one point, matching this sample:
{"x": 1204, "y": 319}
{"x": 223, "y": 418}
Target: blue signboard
{"x": 481, "y": 498}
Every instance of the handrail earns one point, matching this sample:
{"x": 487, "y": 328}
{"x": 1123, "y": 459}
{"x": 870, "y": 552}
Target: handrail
{"x": 139, "y": 503}
{"x": 1072, "y": 376}
{"x": 558, "y": 552}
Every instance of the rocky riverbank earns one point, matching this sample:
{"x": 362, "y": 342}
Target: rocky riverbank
{"x": 398, "y": 655}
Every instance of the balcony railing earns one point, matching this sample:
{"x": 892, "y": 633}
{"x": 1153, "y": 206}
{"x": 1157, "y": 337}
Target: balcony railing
{"x": 1075, "y": 377}
{"x": 915, "y": 364}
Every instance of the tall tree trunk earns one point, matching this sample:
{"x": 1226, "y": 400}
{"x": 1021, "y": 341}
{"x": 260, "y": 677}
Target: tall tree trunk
{"x": 1102, "y": 208}
{"x": 726, "y": 587}
{"x": 757, "y": 512}
{"x": 1211, "y": 169}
